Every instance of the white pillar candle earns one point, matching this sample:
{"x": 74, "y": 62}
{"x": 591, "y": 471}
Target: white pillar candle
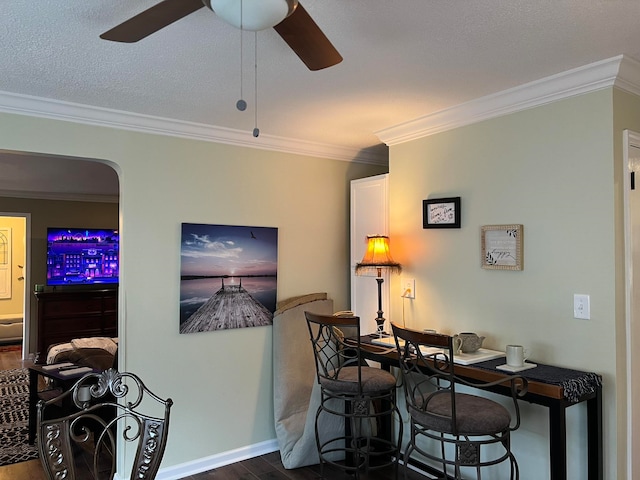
{"x": 84, "y": 393}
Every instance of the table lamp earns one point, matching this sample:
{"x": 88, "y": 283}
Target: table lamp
{"x": 378, "y": 257}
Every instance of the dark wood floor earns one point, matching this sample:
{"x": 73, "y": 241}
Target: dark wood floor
{"x": 10, "y": 357}
{"x": 269, "y": 467}
{"x": 265, "y": 467}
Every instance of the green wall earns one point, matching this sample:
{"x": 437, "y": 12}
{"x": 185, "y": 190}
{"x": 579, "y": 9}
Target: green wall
{"x": 552, "y": 169}
{"x": 221, "y": 382}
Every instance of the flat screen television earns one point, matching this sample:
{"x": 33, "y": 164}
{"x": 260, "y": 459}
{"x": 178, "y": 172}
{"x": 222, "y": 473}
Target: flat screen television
{"x": 82, "y": 256}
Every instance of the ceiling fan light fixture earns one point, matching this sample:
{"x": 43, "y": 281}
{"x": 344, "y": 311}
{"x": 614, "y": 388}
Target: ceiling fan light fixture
{"x": 256, "y": 14}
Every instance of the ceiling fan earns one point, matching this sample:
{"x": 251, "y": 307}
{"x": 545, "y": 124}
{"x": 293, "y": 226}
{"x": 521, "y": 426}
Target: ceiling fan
{"x": 287, "y": 17}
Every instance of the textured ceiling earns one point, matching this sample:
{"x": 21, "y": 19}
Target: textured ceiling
{"x": 402, "y": 59}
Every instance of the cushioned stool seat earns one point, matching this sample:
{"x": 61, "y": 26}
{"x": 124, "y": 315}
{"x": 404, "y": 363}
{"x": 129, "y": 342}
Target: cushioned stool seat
{"x": 475, "y": 415}
{"x": 373, "y": 380}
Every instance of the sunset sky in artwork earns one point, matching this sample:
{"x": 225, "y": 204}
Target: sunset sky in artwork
{"x": 228, "y": 250}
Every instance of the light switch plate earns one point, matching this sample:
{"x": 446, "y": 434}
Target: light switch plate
{"x": 581, "y": 307}
{"x": 408, "y": 288}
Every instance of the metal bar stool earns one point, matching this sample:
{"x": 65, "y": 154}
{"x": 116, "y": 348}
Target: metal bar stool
{"x": 351, "y": 389}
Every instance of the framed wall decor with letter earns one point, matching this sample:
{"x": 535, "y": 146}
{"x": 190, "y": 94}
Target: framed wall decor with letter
{"x": 441, "y": 213}
{"x": 502, "y": 247}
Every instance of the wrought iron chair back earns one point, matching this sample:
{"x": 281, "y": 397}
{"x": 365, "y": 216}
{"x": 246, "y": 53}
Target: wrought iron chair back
{"x": 98, "y": 410}
{"x": 331, "y": 352}
{"x": 427, "y": 367}
{"x": 438, "y": 411}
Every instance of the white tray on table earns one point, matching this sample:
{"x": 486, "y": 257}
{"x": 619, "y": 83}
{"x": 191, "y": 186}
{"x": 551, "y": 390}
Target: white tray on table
{"x": 480, "y": 355}
{"x": 386, "y": 341}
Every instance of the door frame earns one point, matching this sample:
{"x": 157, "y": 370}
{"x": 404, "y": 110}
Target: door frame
{"x": 26, "y": 273}
{"x": 632, "y": 340}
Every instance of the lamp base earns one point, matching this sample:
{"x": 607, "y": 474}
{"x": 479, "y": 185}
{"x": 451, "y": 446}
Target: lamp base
{"x": 380, "y": 329}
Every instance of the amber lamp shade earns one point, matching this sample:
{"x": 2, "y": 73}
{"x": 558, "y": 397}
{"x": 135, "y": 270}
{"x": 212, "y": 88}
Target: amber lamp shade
{"x": 378, "y": 257}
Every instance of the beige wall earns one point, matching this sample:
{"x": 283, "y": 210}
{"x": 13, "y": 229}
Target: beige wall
{"x": 552, "y": 168}
{"x": 15, "y": 304}
{"x": 221, "y": 382}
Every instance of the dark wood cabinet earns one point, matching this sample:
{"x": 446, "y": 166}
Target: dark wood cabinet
{"x": 65, "y": 315}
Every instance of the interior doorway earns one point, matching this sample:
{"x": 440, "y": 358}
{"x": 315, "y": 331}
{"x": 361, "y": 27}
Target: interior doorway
{"x": 53, "y": 191}
{"x": 14, "y": 278}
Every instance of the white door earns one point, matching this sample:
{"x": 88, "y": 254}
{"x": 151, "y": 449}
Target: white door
{"x": 369, "y": 216}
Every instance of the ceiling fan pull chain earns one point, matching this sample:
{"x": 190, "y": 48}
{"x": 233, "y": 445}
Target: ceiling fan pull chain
{"x": 256, "y": 130}
{"x": 241, "y": 104}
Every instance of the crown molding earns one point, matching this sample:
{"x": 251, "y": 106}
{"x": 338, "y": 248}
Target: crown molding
{"x": 622, "y": 72}
{"x": 628, "y": 78}
{"x": 69, "y": 197}
{"x": 105, "y": 117}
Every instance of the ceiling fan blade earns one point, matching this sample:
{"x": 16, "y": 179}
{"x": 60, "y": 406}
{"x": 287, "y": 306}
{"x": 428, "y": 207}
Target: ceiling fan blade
{"x": 152, "y": 20}
{"x": 306, "y": 39}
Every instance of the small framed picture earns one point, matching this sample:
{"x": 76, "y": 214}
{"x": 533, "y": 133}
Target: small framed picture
{"x": 441, "y": 213}
{"x": 501, "y": 247}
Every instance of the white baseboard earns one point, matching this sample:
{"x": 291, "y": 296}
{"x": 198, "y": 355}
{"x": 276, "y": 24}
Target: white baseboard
{"x": 218, "y": 460}
{"x": 212, "y": 462}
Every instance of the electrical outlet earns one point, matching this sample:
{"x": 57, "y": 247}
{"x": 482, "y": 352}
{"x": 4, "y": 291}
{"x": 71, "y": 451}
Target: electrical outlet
{"x": 581, "y": 307}
{"x": 408, "y": 288}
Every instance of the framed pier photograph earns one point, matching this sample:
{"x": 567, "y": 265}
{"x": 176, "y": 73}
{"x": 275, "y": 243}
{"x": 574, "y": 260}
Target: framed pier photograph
{"x": 228, "y": 277}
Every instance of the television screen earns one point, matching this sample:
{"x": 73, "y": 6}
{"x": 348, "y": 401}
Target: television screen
{"x": 82, "y": 256}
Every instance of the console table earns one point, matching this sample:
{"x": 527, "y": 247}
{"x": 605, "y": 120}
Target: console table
{"x": 543, "y": 390}
{"x": 67, "y": 314}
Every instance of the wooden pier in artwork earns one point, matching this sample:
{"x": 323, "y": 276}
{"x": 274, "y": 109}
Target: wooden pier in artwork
{"x": 230, "y": 307}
